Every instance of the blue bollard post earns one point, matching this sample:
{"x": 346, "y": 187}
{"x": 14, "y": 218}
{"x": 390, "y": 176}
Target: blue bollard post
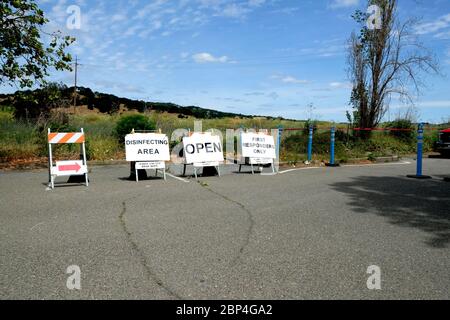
{"x": 419, "y": 167}
{"x": 280, "y": 134}
{"x": 310, "y": 143}
{"x": 419, "y": 150}
{"x": 332, "y": 149}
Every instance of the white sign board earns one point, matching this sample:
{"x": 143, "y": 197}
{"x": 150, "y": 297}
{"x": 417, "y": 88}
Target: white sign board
{"x": 258, "y": 145}
{"x": 69, "y": 168}
{"x": 259, "y": 161}
{"x": 206, "y": 164}
{"x": 203, "y": 148}
{"x": 147, "y": 147}
{"x": 150, "y": 165}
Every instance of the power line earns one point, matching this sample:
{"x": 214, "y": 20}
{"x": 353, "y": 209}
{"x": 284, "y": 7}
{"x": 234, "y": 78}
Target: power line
{"x": 75, "y": 85}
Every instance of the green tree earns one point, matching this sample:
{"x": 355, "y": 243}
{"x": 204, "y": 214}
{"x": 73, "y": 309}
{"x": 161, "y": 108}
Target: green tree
{"x": 135, "y": 121}
{"x": 38, "y": 103}
{"x": 24, "y": 57}
{"x": 406, "y": 132}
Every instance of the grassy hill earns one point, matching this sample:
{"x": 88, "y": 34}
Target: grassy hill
{"x": 31, "y": 103}
{"x": 24, "y": 119}
{"x": 26, "y": 115}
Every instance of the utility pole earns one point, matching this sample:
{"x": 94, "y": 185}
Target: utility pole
{"x": 75, "y": 87}
{"x": 145, "y": 104}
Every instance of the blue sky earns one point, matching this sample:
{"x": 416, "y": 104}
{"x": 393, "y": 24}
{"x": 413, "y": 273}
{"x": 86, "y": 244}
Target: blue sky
{"x": 267, "y": 57}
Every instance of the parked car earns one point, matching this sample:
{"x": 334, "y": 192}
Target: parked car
{"x": 443, "y": 145}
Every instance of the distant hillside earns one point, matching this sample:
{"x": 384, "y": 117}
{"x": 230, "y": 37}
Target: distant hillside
{"x": 32, "y": 103}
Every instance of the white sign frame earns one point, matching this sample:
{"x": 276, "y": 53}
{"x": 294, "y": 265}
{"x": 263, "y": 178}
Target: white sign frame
{"x": 136, "y": 152}
{"x": 257, "y": 148}
{"x": 150, "y": 165}
{"x": 59, "y": 172}
{"x": 254, "y": 153}
{"x": 260, "y": 161}
{"x": 200, "y": 143}
{"x": 205, "y": 159}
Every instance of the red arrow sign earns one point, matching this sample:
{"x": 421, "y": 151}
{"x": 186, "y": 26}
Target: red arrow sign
{"x": 70, "y": 167}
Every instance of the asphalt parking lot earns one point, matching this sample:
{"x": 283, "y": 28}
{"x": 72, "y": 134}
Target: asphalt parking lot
{"x": 302, "y": 234}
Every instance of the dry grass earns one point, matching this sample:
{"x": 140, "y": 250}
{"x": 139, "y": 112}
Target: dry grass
{"x": 23, "y": 140}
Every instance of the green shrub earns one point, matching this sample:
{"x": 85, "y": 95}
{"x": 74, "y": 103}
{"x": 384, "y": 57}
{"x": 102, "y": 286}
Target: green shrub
{"x": 384, "y": 144}
{"x": 371, "y": 157}
{"x": 102, "y": 148}
{"x": 298, "y": 143}
{"x": 135, "y": 121}
{"x": 6, "y": 116}
{"x": 309, "y": 123}
{"x": 429, "y": 140}
{"x": 405, "y": 124}
{"x": 343, "y": 159}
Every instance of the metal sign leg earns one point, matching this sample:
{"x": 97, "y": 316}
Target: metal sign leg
{"x": 50, "y": 163}
{"x": 218, "y": 170}
{"x": 50, "y": 160}
{"x": 85, "y": 160}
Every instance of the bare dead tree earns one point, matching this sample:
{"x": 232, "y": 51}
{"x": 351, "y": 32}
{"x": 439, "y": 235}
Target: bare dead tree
{"x": 386, "y": 62}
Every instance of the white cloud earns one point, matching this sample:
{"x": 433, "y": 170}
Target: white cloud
{"x": 443, "y": 35}
{"x": 150, "y": 8}
{"x": 341, "y": 85}
{"x": 131, "y": 31}
{"x": 234, "y": 11}
{"x": 435, "y": 104}
{"x": 286, "y": 10}
{"x": 289, "y": 79}
{"x": 205, "y": 57}
{"x": 335, "y": 4}
{"x": 256, "y": 3}
{"x": 440, "y": 23}
{"x": 231, "y": 9}
{"x": 118, "y": 17}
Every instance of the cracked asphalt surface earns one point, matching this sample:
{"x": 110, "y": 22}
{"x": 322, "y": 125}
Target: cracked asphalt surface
{"x": 306, "y": 234}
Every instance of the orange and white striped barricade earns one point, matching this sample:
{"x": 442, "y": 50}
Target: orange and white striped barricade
{"x": 69, "y": 167}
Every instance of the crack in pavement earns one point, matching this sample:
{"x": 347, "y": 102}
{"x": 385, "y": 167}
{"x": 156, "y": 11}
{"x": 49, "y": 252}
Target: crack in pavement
{"x": 142, "y": 259}
{"x": 251, "y": 222}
